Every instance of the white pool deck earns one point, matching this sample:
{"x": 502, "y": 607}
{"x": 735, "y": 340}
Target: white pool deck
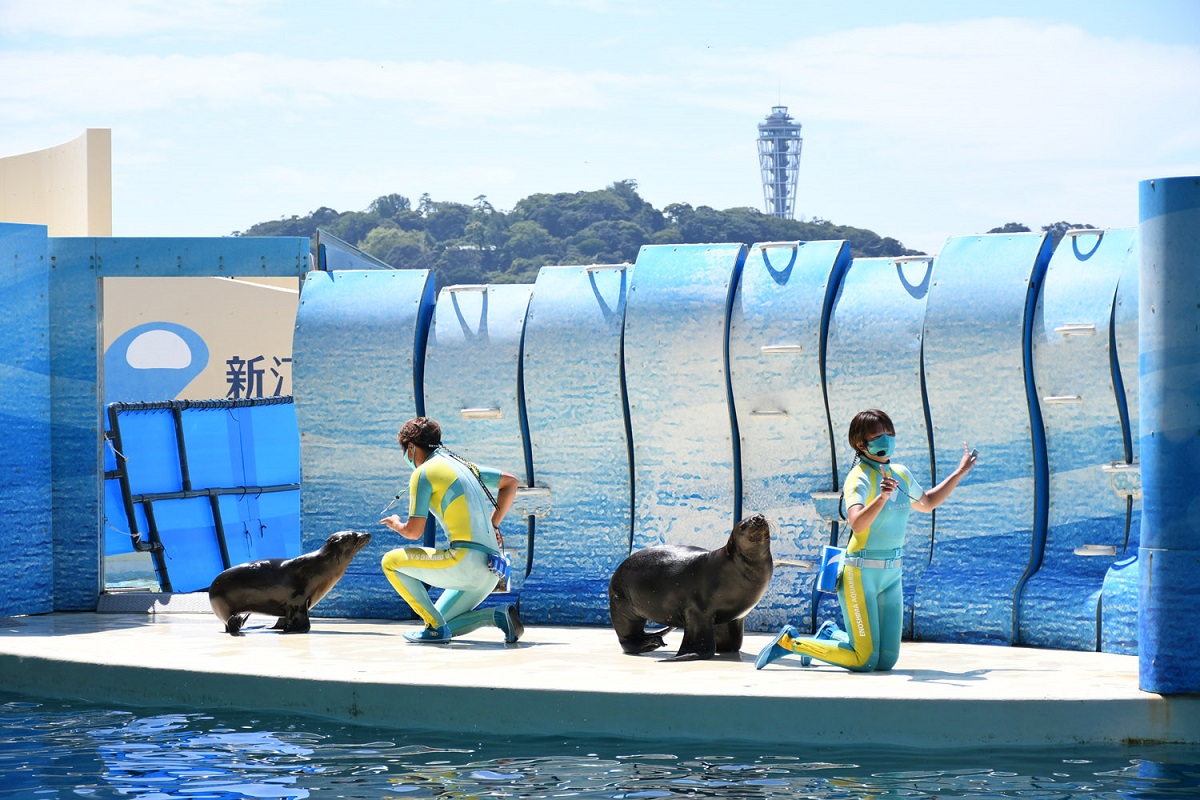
{"x": 566, "y": 681}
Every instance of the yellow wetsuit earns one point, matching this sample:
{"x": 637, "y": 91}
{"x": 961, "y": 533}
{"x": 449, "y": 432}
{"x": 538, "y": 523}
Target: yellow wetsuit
{"x": 447, "y": 488}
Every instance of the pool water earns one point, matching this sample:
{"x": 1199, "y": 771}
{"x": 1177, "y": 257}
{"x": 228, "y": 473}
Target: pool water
{"x": 68, "y": 749}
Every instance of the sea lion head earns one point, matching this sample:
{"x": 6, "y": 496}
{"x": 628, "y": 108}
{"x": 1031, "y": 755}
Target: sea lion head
{"x": 751, "y": 537}
{"x": 344, "y": 545}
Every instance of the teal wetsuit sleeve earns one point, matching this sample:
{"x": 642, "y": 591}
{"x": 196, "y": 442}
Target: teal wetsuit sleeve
{"x": 420, "y": 493}
{"x": 490, "y": 478}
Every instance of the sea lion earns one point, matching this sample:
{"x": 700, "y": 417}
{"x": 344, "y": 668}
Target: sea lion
{"x": 706, "y": 592}
{"x": 285, "y": 587}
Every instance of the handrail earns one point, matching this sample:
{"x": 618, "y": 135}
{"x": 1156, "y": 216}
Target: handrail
{"x": 233, "y": 491}
{"x": 489, "y": 412}
{"x": 1077, "y": 329}
{"x": 1124, "y": 478}
{"x": 1093, "y": 550}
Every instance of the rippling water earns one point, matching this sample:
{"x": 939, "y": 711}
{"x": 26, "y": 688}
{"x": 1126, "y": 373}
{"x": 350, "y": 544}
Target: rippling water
{"x": 52, "y": 749}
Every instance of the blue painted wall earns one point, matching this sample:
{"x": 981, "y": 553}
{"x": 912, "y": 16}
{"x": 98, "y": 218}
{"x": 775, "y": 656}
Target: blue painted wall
{"x": 1077, "y": 393}
{"x": 25, "y": 503}
{"x": 676, "y": 324}
{"x": 473, "y": 389}
{"x": 1119, "y": 597}
{"x": 67, "y": 288}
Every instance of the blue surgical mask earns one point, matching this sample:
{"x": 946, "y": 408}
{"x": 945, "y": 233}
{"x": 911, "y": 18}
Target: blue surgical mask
{"x": 882, "y": 446}
{"x": 408, "y": 459}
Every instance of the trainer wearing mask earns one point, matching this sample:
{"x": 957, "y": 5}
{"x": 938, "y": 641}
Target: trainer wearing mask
{"x": 878, "y": 495}
{"x": 470, "y": 502}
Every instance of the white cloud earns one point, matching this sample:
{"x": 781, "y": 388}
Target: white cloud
{"x": 89, "y": 81}
{"x": 993, "y": 88}
{"x": 968, "y": 125}
{"x": 909, "y": 129}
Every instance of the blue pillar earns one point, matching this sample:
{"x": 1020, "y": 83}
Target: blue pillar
{"x": 1169, "y": 341}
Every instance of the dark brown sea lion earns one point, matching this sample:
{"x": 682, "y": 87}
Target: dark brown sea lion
{"x": 285, "y": 587}
{"x": 705, "y": 592}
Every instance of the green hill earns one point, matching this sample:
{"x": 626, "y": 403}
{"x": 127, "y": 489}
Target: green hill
{"x": 480, "y": 244}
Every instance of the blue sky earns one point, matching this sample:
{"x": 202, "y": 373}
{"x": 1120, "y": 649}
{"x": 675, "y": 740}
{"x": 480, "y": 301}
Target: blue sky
{"x": 921, "y": 119}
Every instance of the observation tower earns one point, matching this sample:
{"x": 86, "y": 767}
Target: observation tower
{"x": 779, "y": 159}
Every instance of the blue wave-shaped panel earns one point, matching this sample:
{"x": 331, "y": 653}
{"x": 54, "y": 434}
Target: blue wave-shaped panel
{"x": 1119, "y": 597}
{"x": 873, "y": 360}
{"x": 775, "y": 348}
{"x": 676, "y": 322}
{"x": 988, "y": 536}
{"x": 575, "y": 401}
{"x": 1072, "y": 360}
{"x": 354, "y": 358}
{"x": 472, "y": 387}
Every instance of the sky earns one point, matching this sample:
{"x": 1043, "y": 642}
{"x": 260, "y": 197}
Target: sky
{"x": 921, "y": 119}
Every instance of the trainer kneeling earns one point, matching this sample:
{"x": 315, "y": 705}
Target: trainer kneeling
{"x": 470, "y": 502}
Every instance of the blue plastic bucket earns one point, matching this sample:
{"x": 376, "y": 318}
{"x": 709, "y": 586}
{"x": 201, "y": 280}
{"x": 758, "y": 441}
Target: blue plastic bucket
{"x": 831, "y": 565}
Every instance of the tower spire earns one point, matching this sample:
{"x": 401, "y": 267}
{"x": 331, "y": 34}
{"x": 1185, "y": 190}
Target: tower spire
{"x": 779, "y": 160}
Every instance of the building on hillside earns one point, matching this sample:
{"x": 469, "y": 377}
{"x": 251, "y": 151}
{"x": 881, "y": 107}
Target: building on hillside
{"x": 779, "y": 160}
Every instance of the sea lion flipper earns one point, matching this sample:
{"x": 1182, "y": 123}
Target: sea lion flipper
{"x": 637, "y": 642}
{"x": 699, "y": 641}
{"x": 233, "y": 625}
{"x": 629, "y": 625}
{"x": 296, "y": 620}
{"x": 652, "y": 639}
{"x": 729, "y": 636}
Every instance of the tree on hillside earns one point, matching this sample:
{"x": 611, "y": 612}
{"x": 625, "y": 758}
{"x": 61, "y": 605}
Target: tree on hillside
{"x": 610, "y": 242}
{"x": 388, "y": 206}
{"x": 1059, "y": 229}
{"x": 1010, "y": 227}
{"x": 478, "y": 243}
{"x": 293, "y": 226}
{"x": 446, "y": 221}
{"x": 1056, "y": 230}
{"x": 400, "y": 248}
